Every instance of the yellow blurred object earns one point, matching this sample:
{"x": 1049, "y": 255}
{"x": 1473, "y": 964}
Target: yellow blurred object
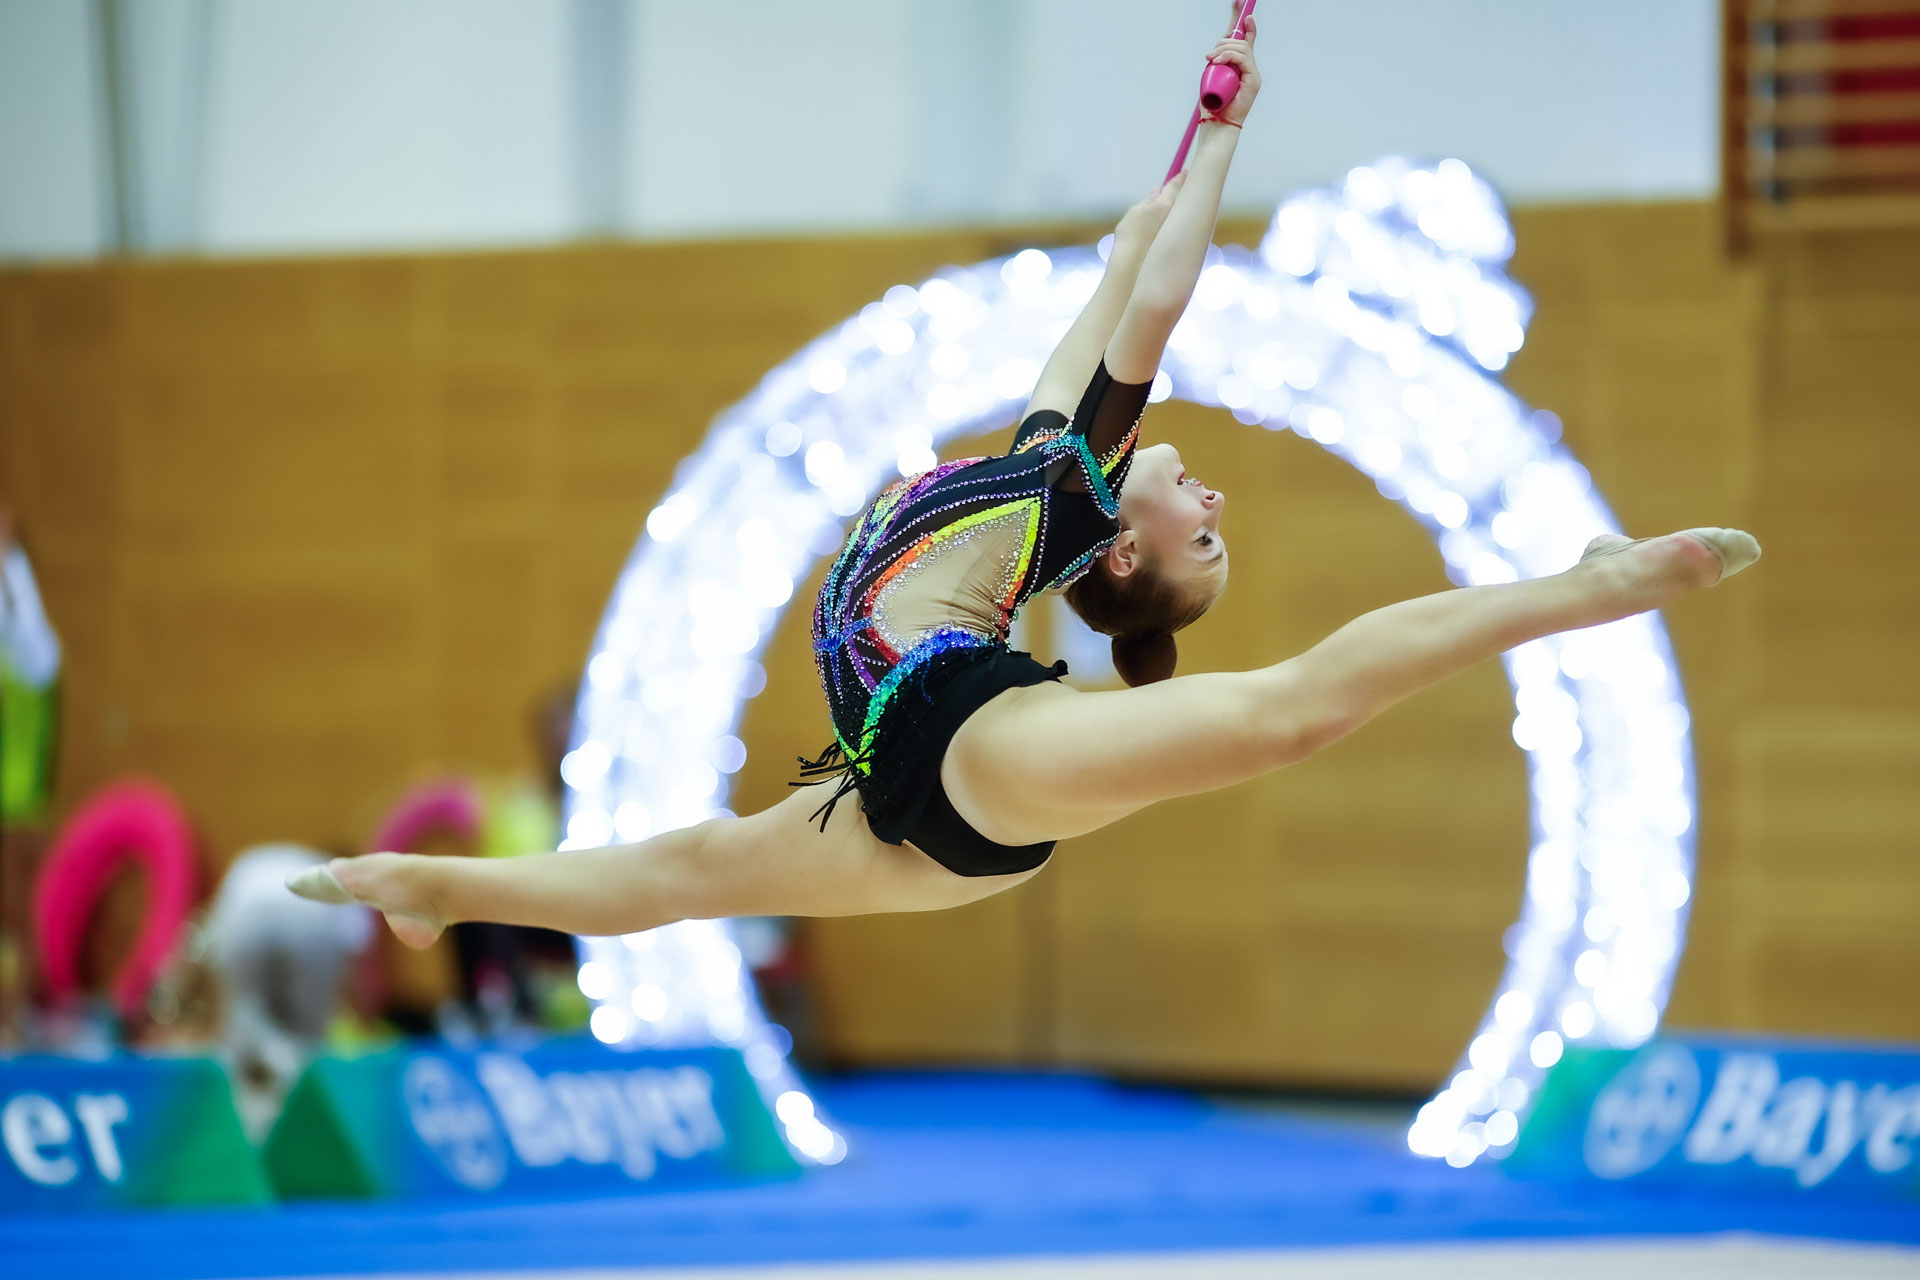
{"x": 517, "y": 817}
{"x": 349, "y": 1037}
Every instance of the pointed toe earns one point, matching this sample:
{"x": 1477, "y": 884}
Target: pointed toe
{"x": 320, "y": 884}
{"x": 1736, "y": 548}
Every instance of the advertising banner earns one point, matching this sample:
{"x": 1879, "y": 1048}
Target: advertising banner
{"x": 123, "y": 1132}
{"x": 1732, "y": 1116}
{"x": 565, "y": 1117}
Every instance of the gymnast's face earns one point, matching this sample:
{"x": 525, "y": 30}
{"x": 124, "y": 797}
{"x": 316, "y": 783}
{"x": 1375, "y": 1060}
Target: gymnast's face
{"x": 1174, "y": 520}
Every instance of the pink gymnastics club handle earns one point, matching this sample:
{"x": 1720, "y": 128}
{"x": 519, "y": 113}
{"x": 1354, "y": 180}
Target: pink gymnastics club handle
{"x": 1186, "y": 144}
{"x": 1218, "y": 83}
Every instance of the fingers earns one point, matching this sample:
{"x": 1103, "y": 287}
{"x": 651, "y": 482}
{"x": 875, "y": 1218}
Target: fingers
{"x": 1239, "y": 59}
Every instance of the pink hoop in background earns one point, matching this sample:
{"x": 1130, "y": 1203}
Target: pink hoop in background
{"x": 452, "y": 806}
{"x": 136, "y": 822}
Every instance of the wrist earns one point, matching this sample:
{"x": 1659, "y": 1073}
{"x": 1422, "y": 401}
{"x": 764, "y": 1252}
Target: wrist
{"x": 1216, "y": 142}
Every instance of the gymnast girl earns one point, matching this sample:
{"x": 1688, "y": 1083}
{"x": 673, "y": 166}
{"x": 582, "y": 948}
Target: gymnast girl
{"x": 970, "y": 760}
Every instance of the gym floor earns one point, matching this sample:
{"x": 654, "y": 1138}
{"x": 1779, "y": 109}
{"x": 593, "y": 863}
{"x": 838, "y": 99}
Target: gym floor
{"x": 1719, "y": 1259}
{"x": 956, "y": 1175}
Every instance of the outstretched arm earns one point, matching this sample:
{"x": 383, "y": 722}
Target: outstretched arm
{"x": 1172, "y": 265}
{"x": 1074, "y": 360}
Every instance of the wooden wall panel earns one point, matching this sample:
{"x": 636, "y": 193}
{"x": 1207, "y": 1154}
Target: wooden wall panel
{"x": 311, "y": 530}
{"x": 1830, "y": 748}
{"x": 959, "y": 985}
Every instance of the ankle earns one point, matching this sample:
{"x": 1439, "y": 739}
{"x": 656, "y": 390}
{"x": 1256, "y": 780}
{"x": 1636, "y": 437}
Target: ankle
{"x": 429, "y": 888}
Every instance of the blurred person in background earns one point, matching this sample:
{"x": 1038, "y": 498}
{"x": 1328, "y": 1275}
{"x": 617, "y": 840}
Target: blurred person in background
{"x": 487, "y": 979}
{"x": 516, "y": 977}
{"x": 283, "y": 968}
{"x": 29, "y": 743}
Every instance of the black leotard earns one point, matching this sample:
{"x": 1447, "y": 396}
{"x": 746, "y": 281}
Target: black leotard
{"x": 922, "y": 597}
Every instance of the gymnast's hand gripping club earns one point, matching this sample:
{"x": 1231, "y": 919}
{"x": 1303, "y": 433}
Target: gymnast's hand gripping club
{"x": 1219, "y": 86}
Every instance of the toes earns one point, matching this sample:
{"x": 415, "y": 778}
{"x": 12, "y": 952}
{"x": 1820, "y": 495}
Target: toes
{"x": 1736, "y": 549}
{"x": 321, "y": 885}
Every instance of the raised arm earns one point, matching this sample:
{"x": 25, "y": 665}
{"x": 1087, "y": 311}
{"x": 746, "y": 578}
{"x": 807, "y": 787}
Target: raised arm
{"x": 1172, "y": 265}
{"x": 1074, "y": 360}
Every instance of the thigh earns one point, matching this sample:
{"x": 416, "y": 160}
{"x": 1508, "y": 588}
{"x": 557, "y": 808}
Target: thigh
{"x": 1049, "y": 762}
{"x": 779, "y": 862}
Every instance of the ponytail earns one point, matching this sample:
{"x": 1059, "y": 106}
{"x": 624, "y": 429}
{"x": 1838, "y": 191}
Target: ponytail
{"x": 1141, "y": 612}
{"x": 1145, "y": 659}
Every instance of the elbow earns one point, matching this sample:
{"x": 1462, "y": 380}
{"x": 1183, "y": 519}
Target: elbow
{"x": 1141, "y": 337}
{"x": 1161, "y": 307}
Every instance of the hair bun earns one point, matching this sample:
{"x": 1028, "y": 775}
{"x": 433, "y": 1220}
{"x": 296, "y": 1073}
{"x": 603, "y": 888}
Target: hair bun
{"x": 1145, "y": 659}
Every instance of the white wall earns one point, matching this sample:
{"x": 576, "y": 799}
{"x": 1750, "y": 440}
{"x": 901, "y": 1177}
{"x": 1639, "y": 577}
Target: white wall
{"x": 50, "y": 196}
{"x": 356, "y": 123}
{"x": 1552, "y": 100}
{"x": 793, "y": 116}
{"x": 291, "y": 126}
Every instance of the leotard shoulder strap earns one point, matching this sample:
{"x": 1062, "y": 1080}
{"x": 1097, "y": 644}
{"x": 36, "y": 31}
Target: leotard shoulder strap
{"x": 1095, "y": 446}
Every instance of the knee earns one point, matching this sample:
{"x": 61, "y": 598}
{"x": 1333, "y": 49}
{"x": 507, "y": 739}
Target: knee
{"x": 685, "y": 872}
{"x": 1293, "y": 717}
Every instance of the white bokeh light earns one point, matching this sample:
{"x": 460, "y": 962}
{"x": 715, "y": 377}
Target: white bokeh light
{"x": 1371, "y": 320}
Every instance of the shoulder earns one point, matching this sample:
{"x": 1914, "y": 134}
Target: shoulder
{"x": 1040, "y": 427}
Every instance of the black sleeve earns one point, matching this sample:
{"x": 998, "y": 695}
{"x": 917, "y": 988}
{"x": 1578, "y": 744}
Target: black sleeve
{"x": 1108, "y": 418}
{"x": 1109, "y": 412}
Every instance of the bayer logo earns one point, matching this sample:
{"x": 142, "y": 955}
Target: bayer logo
{"x": 1642, "y": 1113}
{"x": 453, "y": 1120}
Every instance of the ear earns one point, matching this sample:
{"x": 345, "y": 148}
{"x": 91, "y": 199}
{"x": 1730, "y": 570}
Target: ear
{"x": 1123, "y": 557}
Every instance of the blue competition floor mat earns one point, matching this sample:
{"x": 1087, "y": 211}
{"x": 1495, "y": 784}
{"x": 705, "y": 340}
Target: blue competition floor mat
{"x": 954, "y": 1165}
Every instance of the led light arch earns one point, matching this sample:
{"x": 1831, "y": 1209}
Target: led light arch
{"x": 1373, "y": 320}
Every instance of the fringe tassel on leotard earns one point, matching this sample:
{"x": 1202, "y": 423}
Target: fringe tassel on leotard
{"x": 833, "y": 761}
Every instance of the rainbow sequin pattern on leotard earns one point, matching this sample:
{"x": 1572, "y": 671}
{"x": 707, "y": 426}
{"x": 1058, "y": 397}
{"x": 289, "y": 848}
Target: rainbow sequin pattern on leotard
{"x": 1058, "y": 487}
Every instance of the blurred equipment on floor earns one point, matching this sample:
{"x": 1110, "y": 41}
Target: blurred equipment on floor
{"x": 283, "y": 963}
{"x": 137, "y": 824}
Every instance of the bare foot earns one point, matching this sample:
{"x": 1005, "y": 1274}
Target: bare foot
{"x": 1656, "y": 571}
{"x": 381, "y": 881}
